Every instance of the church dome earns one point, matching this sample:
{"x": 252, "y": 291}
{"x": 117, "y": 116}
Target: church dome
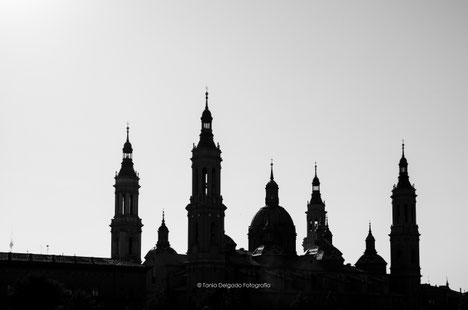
{"x": 370, "y": 261}
{"x": 272, "y": 226}
{"x": 277, "y": 216}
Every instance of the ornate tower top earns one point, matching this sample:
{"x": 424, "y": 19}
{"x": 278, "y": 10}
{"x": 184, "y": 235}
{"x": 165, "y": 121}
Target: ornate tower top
{"x": 271, "y": 198}
{"x": 316, "y": 197}
{"x": 403, "y": 178}
{"x": 370, "y": 242}
{"x": 206, "y": 135}
{"x": 163, "y": 234}
{"x": 126, "y": 169}
{"x": 126, "y": 225}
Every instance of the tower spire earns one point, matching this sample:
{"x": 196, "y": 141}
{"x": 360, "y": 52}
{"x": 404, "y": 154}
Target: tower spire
{"x": 126, "y": 225}
{"x": 206, "y": 135}
{"x": 271, "y": 198}
{"x": 128, "y": 129}
{"x": 405, "y": 276}
{"x": 271, "y": 170}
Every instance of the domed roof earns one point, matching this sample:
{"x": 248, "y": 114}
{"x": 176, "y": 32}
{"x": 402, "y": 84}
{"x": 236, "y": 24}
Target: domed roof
{"x": 370, "y": 259}
{"x": 206, "y": 115}
{"x": 156, "y": 251}
{"x": 276, "y": 216}
{"x": 272, "y": 184}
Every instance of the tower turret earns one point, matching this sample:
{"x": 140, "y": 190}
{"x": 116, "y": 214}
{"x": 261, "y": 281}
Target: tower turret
{"x": 317, "y": 221}
{"x": 370, "y": 261}
{"x": 404, "y": 234}
{"x": 163, "y": 235}
{"x": 206, "y": 209}
{"x": 126, "y": 225}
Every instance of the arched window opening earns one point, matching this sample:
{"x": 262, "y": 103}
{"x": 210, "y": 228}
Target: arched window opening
{"x": 205, "y": 181}
{"x": 213, "y": 182}
{"x": 130, "y": 204}
{"x": 123, "y": 204}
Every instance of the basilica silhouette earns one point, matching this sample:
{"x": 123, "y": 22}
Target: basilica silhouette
{"x": 214, "y": 273}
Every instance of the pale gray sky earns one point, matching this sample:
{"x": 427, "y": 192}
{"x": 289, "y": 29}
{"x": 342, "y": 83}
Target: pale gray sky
{"x": 337, "y": 82}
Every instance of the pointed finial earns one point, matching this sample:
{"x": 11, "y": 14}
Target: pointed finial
{"x": 446, "y": 281}
{"x": 206, "y": 97}
{"x": 11, "y": 240}
{"x": 271, "y": 170}
{"x": 128, "y": 129}
{"x": 315, "y": 168}
{"x": 403, "y": 148}
{"x": 163, "y": 221}
{"x": 370, "y": 228}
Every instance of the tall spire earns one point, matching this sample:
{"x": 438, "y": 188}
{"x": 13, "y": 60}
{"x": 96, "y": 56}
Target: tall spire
{"x": 271, "y": 170}
{"x": 315, "y": 169}
{"x": 126, "y": 225}
{"x": 206, "y": 98}
{"x": 370, "y": 242}
{"x": 128, "y": 129}
{"x": 403, "y": 148}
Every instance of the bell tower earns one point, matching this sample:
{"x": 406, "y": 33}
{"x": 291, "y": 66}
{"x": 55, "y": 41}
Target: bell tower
{"x": 206, "y": 209}
{"x": 405, "y": 272}
{"x": 126, "y": 225}
{"x": 317, "y": 221}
